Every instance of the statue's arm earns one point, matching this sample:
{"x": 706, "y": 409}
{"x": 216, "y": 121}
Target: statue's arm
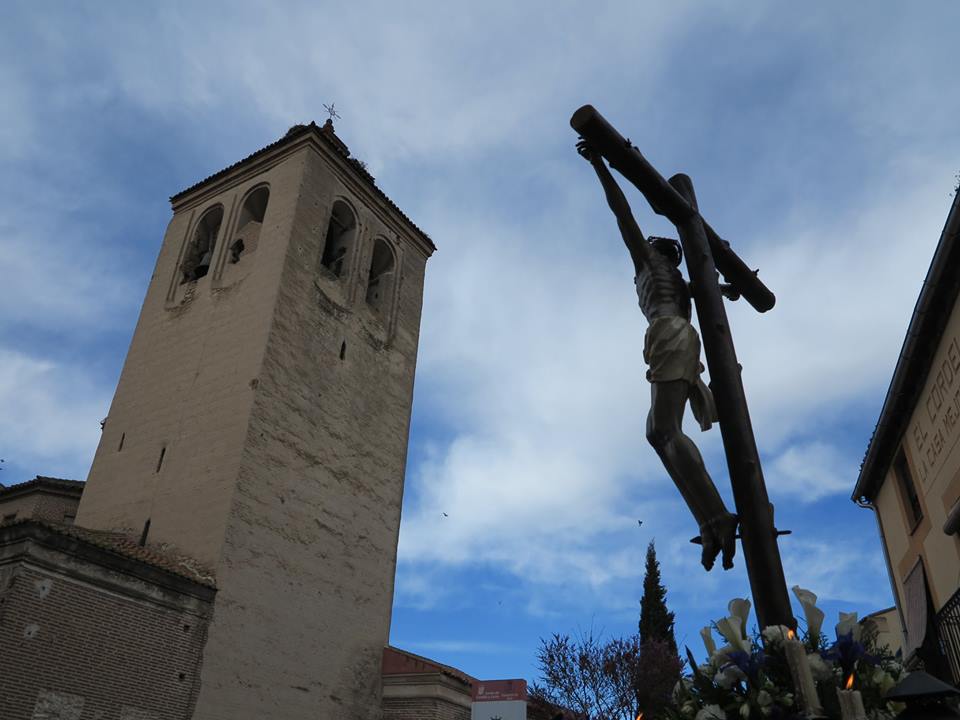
{"x": 632, "y": 236}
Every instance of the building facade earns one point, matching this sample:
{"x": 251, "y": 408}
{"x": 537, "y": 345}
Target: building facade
{"x": 910, "y": 476}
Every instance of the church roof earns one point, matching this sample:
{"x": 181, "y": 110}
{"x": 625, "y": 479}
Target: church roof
{"x": 157, "y": 556}
{"x": 938, "y": 296}
{"x": 337, "y": 145}
{"x": 41, "y": 482}
{"x": 402, "y": 662}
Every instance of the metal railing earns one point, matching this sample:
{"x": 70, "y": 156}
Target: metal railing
{"x": 948, "y": 627}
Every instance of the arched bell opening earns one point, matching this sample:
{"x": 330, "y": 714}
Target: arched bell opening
{"x": 340, "y": 236}
{"x": 250, "y": 223}
{"x": 199, "y": 253}
{"x": 380, "y": 277}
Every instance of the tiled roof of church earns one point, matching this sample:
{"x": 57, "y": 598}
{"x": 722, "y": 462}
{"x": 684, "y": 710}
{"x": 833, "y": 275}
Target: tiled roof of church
{"x": 326, "y": 132}
{"x": 938, "y": 296}
{"x": 401, "y": 662}
{"x": 41, "y": 481}
{"x": 156, "y": 555}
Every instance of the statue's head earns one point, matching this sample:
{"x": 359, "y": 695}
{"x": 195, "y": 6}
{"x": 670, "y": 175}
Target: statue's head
{"x": 668, "y": 247}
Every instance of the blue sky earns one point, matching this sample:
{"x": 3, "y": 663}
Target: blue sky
{"x": 822, "y": 142}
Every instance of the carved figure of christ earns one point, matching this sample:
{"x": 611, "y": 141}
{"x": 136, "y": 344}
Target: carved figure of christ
{"x": 672, "y": 353}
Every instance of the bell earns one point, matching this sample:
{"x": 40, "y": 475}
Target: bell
{"x": 204, "y": 264}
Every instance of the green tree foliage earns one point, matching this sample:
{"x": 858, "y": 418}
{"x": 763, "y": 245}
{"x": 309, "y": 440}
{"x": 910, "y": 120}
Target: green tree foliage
{"x": 619, "y": 678}
{"x": 656, "y": 622}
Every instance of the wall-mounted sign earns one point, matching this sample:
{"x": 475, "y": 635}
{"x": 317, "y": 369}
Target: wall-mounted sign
{"x": 499, "y": 700}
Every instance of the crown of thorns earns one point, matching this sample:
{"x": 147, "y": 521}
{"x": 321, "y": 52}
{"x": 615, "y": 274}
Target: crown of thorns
{"x": 668, "y": 245}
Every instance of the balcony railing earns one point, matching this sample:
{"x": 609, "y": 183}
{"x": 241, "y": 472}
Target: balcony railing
{"x": 948, "y": 627}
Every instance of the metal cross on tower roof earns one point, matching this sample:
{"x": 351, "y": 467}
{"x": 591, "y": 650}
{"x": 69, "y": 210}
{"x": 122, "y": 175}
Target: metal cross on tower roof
{"x": 331, "y": 111}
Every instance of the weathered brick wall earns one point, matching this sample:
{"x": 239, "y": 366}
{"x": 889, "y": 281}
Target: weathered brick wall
{"x": 55, "y": 508}
{"x": 423, "y": 709}
{"x": 22, "y": 506}
{"x": 70, "y": 650}
{"x": 41, "y": 505}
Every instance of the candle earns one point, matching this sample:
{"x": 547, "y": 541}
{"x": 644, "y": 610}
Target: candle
{"x": 851, "y": 705}
{"x": 803, "y": 684}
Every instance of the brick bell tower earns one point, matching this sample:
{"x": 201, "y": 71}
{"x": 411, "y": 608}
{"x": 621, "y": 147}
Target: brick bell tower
{"x": 261, "y": 419}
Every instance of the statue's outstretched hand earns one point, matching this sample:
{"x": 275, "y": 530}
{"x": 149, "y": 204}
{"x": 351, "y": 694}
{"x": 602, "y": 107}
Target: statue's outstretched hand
{"x": 586, "y": 151}
{"x": 729, "y": 291}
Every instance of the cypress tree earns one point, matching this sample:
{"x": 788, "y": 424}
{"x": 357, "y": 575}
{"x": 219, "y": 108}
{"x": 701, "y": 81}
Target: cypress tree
{"x": 656, "y": 622}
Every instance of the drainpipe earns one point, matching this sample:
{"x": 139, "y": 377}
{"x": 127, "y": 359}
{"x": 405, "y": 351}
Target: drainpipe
{"x": 865, "y": 503}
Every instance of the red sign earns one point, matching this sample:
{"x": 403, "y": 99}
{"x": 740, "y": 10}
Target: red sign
{"x": 499, "y": 690}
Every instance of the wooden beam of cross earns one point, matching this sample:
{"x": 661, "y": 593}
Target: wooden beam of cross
{"x": 705, "y": 254}
{"x": 668, "y": 201}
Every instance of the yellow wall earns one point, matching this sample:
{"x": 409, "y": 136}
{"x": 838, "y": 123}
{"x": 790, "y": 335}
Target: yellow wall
{"x": 932, "y": 447}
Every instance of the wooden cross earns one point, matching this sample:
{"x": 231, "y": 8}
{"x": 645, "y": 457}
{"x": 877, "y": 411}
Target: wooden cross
{"x": 707, "y": 253}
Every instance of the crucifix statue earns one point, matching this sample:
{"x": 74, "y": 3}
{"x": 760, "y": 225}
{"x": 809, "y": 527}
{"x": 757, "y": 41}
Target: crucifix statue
{"x": 672, "y": 352}
{"x": 671, "y": 349}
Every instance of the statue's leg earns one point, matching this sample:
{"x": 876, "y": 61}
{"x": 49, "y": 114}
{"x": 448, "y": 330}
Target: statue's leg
{"x": 683, "y": 462}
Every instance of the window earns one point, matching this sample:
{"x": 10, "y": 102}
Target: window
{"x": 10, "y": 517}
{"x": 69, "y": 517}
{"x": 251, "y": 220}
{"x": 340, "y": 234}
{"x": 380, "y": 277}
{"x": 908, "y": 491}
{"x": 199, "y": 253}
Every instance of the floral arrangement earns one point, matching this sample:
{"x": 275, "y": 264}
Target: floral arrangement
{"x": 780, "y": 676}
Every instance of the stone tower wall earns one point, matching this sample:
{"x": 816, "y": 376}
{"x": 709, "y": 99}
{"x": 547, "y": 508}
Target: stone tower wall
{"x": 189, "y": 379}
{"x": 307, "y": 569}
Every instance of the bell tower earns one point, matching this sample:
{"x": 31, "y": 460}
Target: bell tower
{"x": 261, "y": 419}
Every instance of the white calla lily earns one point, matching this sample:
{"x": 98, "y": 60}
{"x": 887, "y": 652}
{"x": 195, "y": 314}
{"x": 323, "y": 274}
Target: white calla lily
{"x": 848, "y": 624}
{"x": 732, "y": 630}
{"x": 740, "y": 607}
{"x": 813, "y": 614}
{"x": 708, "y": 642}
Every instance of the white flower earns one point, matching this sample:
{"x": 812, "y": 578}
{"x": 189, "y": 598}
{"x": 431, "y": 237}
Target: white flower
{"x": 708, "y": 641}
{"x": 729, "y": 676}
{"x": 848, "y": 623}
{"x": 732, "y": 630}
{"x": 764, "y": 698}
{"x": 740, "y": 607}
{"x": 819, "y": 667}
{"x": 745, "y": 711}
{"x": 773, "y": 634}
{"x": 883, "y": 680}
{"x": 813, "y": 614}
{"x": 711, "y": 712}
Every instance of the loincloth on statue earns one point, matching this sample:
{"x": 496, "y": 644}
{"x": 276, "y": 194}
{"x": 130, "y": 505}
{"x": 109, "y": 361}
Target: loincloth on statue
{"x": 671, "y": 349}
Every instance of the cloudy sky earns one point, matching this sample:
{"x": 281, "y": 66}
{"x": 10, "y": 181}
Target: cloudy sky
{"x": 823, "y": 144}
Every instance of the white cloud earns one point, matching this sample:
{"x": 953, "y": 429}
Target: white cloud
{"x": 849, "y": 569}
{"x": 50, "y": 418}
{"x": 459, "y": 646}
{"x": 810, "y": 471}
